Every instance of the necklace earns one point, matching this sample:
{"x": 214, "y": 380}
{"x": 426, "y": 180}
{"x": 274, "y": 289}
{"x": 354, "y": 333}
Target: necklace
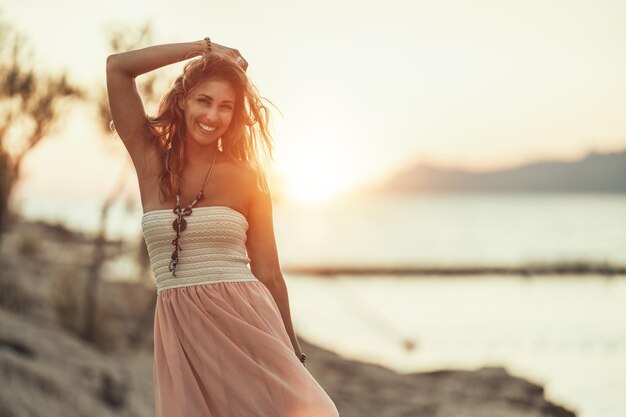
{"x": 180, "y": 224}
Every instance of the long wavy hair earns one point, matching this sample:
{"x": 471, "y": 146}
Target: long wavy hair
{"x": 247, "y": 138}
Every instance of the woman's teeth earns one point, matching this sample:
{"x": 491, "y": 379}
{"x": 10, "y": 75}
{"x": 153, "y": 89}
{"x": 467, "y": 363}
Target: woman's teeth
{"x": 207, "y": 128}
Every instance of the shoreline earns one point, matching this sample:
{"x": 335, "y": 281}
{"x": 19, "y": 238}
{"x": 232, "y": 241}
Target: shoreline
{"x": 535, "y": 269}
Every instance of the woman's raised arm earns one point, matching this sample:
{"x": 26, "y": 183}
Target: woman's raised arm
{"x": 126, "y": 106}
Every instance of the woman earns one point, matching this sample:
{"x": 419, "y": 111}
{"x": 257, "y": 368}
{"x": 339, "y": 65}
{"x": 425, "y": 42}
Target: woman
{"x": 224, "y": 343}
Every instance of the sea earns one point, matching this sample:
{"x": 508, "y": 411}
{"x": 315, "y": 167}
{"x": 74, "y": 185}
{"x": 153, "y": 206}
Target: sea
{"x": 564, "y": 332}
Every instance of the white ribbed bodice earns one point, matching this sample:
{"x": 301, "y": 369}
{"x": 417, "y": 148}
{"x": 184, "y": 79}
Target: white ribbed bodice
{"x": 213, "y": 247}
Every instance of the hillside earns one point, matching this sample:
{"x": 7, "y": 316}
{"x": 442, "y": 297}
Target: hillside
{"x": 595, "y": 173}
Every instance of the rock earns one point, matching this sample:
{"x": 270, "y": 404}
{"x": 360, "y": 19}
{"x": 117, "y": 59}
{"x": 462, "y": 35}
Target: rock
{"x": 47, "y": 371}
{"x": 362, "y": 389}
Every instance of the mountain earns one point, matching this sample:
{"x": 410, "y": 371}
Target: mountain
{"x": 595, "y": 173}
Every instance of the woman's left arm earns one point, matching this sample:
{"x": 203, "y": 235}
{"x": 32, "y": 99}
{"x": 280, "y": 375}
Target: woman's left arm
{"x": 263, "y": 254}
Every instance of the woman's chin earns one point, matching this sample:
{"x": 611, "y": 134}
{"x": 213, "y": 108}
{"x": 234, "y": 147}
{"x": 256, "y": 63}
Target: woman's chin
{"x": 205, "y": 141}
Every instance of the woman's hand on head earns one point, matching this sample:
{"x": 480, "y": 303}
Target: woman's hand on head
{"x": 231, "y": 53}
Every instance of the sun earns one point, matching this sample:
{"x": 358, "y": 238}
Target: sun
{"x": 320, "y": 158}
{"x": 314, "y": 175}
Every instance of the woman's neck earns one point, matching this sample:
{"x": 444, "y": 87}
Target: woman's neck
{"x": 201, "y": 156}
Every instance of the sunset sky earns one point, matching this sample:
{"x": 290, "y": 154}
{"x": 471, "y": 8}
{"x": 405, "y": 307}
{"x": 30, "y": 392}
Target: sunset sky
{"x": 364, "y": 87}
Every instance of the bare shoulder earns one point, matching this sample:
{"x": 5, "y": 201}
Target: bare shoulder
{"x": 239, "y": 180}
{"x": 252, "y": 180}
{"x": 148, "y": 166}
{"x": 238, "y": 170}
{"x": 150, "y": 161}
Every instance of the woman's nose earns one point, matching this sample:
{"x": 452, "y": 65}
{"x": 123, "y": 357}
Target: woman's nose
{"x": 211, "y": 114}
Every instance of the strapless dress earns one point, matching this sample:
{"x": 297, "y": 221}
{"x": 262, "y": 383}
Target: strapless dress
{"x": 220, "y": 346}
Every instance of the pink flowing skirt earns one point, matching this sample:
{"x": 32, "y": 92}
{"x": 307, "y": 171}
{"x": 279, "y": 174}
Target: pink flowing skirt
{"x": 221, "y": 350}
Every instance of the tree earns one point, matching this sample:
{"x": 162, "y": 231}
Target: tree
{"x": 29, "y": 104}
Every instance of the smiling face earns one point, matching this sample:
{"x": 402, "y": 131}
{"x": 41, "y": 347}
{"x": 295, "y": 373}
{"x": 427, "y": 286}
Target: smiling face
{"x": 209, "y": 109}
